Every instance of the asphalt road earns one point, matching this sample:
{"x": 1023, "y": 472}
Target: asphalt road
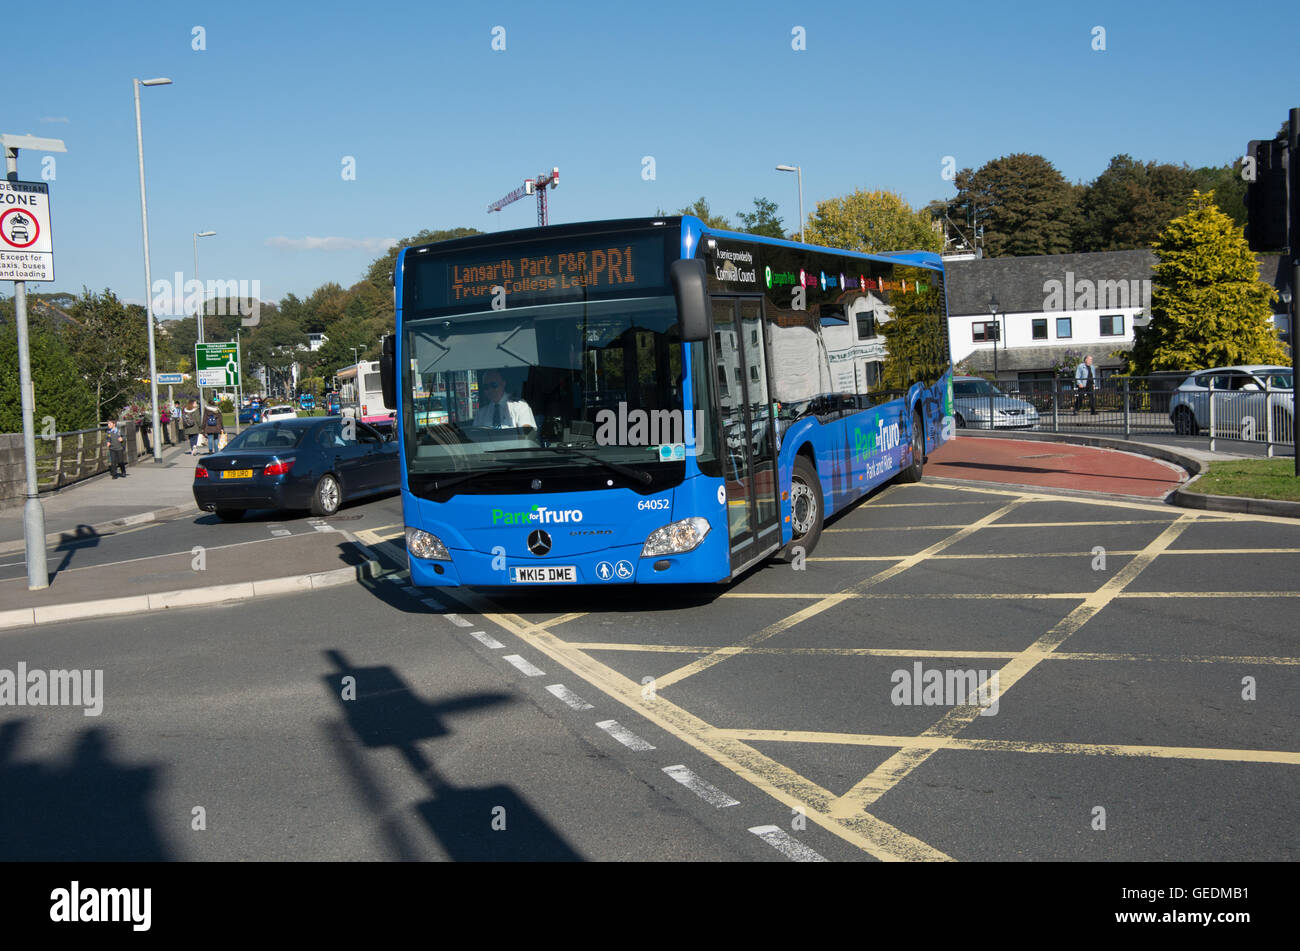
{"x": 1146, "y": 664}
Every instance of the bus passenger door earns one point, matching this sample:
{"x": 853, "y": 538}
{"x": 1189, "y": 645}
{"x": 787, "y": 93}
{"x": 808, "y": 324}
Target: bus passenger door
{"x": 748, "y": 428}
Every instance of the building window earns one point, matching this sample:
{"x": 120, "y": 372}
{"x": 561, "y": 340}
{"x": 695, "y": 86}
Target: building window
{"x": 985, "y": 330}
{"x": 1112, "y": 326}
{"x": 1063, "y": 328}
{"x": 866, "y": 325}
{"x": 1040, "y": 328}
{"x": 753, "y": 373}
{"x": 753, "y": 336}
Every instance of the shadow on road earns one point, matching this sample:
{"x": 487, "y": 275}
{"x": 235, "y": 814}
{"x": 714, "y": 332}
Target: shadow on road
{"x": 87, "y": 809}
{"x": 491, "y": 823}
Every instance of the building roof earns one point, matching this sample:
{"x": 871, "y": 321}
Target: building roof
{"x": 1019, "y": 283}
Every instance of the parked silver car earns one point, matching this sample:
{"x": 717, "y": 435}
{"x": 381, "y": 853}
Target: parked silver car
{"x": 1240, "y": 397}
{"x": 971, "y": 405}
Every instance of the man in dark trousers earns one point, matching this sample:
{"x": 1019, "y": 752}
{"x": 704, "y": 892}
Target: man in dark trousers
{"x": 116, "y": 450}
{"x": 1085, "y": 381}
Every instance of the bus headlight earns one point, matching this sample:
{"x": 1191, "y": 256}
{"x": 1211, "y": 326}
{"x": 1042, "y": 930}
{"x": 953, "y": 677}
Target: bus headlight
{"x": 677, "y": 538}
{"x": 423, "y": 545}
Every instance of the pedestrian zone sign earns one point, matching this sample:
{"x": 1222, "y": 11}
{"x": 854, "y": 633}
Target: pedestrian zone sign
{"x": 26, "y": 244}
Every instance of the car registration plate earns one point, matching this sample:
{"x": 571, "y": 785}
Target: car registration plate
{"x": 237, "y": 474}
{"x": 550, "y": 574}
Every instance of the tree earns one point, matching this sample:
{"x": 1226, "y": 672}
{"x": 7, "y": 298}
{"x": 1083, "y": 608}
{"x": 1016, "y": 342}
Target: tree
{"x": 701, "y": 210}
{"x": 61, "y": 394}
{"x": 1130, "y": 203}
{"x": 109, "y": 344}
{"x": 1208, "y": 306}
{"x": 872, "y": 221}
{"x": 275, "y": 344}
{"x": 1228, "y": 186}
{"x": 763, "y": 220}
{"x": 1022, "y": 203}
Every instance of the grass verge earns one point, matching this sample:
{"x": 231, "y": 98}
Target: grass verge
{"x": 1250, "y": 479}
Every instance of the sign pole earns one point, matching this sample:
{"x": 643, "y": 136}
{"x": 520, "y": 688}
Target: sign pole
{"x": 38, "y": 576}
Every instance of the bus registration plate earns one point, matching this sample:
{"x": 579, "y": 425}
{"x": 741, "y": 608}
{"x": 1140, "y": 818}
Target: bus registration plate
{"x": 551, "y": 574}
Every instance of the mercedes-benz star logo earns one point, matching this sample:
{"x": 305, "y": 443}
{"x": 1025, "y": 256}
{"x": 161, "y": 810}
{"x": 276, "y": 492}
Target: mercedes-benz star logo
{"x": 539, "y": 542}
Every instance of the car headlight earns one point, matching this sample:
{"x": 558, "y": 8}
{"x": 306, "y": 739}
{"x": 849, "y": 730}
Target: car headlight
{"x": 423, "y": 545}
{"x": 677, "y": 538}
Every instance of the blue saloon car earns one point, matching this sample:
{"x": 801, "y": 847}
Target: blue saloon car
{"x": 316, "y": 463}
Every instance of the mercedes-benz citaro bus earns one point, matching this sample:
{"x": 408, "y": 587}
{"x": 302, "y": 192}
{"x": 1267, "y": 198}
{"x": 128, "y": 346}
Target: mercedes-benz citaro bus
{"x": 652, "y": 400}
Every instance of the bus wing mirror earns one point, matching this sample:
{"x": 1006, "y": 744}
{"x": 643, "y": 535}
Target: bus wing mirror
{"x": 388, "y": 370}
{"x": 690, "y": 287}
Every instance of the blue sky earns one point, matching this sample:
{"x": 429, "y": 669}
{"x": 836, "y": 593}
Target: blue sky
{"x": 250, "y": 140}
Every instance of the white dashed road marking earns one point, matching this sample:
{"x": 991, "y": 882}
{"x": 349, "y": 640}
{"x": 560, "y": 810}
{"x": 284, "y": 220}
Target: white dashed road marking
{"x": 706, "y": 791}
{"x": 458, "y": 620}
{"x": 486, "y": 639}
{"x": 278, "y": 530}
{"x": 525, "y": 668}
{"x": 786, "y": 844}
{"x": 568, "y": 696}
{"x": 624, "y": 735}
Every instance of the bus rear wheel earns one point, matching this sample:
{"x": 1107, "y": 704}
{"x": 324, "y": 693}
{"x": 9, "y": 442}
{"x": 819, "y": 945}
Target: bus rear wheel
{"x": 913, "y": 472}
{"x": 806, "y": 511}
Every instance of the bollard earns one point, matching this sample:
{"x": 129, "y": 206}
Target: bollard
{"x": 1128, "y": 418}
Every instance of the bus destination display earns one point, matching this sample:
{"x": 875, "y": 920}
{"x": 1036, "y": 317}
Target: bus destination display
{"x": 550, "y": 271}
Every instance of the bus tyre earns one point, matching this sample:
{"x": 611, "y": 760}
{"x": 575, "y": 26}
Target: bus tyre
{"x": 230, "y": 515}
{"x": 806, "y": 510}
{"x": 327, "y": 495}
{"x": 913, "y": 472}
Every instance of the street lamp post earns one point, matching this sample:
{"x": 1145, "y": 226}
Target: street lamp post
{"x": 203, "y": 304}
{"x": 148, "y": 278}
{"x": 33, "y": 512}
{"x": 799, "y": 171}
{"x": 997, "y": 336}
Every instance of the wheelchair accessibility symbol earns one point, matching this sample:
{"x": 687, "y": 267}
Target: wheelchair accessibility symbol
{"x": 624, "y": 569}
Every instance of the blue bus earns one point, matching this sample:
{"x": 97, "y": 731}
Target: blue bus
{"x": 652, "y": 400}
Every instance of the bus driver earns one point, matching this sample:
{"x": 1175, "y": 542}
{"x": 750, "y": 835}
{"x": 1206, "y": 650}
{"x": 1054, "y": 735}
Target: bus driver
{"x": 499, "y": 410}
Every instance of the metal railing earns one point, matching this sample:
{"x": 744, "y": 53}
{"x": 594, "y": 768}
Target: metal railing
{"x": 1130, "y": 406}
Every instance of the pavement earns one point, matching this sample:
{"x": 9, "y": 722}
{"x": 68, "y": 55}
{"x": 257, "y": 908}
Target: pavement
{"x": 80, "y": 518}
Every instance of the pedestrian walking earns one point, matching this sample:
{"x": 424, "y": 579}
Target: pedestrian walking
{"x": 212, "y": 427}
{"x": 1085, "y": 382}
{"x": 190, "y": 420}
{"x": 116, "y": 450}
{"x": 145, "y": 422}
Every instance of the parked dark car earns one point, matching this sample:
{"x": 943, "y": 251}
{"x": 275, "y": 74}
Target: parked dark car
{"x": 304, "y": 463}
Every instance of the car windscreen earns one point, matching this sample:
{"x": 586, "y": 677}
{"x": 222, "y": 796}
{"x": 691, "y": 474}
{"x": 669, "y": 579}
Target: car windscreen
{"x": 962, "y": 388}
{"x": 268, "y": 436}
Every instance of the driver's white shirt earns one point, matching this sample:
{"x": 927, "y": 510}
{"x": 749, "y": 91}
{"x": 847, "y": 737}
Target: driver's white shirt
{"x": 514, "y": 414}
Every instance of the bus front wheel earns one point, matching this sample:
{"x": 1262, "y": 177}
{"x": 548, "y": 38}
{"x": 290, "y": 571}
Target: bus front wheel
{"x": 806, "y": 511}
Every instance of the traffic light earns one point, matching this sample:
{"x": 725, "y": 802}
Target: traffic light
{"x": 1267, "y": 195}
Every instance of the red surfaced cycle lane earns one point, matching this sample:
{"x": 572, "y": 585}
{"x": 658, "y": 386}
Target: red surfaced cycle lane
{"x": 1053, "y": 465}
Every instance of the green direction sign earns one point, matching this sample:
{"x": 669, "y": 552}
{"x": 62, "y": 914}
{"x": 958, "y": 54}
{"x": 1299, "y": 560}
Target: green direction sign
{"x": 217, "y": 364}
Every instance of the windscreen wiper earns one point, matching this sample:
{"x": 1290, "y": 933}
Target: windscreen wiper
{"x": 638, "y": 475}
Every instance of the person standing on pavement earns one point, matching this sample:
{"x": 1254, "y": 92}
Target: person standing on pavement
{"x": 145, "y": 422}
{"x": 1085, "y": 381}
{"x": 165, "y": 422}
{"x": 116, "y": 450}
{"x": 212, "y": 427}
{"x": 190, "y": 418}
